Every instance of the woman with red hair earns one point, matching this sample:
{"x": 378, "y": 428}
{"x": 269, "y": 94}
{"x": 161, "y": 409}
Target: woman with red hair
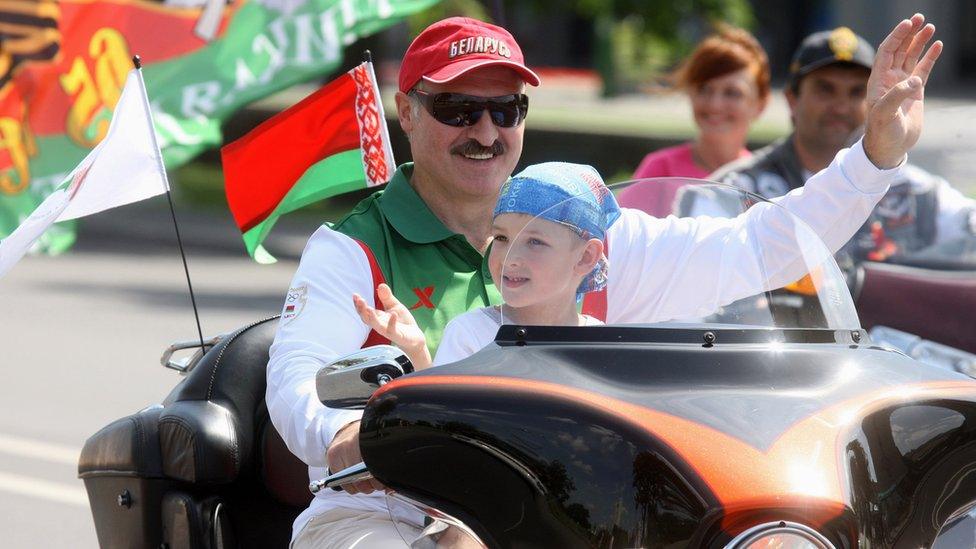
{"x": 727, "y": 80}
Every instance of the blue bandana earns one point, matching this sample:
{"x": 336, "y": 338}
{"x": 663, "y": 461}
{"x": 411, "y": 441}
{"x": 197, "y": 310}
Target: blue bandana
{"x": 572, "y": 195}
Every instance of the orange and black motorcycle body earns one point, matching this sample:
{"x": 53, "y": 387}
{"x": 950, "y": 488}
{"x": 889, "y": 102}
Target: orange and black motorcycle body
{"x": 685, "y": 437}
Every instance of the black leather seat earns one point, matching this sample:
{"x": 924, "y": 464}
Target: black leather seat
{"x": 204, "y": 469}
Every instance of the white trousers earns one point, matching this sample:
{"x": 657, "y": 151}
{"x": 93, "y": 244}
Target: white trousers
{"x": 349, "y": 529}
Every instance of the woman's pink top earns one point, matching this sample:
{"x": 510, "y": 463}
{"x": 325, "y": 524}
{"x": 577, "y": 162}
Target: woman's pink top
{"x": 656, "y": 198}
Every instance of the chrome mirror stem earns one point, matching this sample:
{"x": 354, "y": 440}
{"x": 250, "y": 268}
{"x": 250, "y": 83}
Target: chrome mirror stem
{"x": 336, "y": 481}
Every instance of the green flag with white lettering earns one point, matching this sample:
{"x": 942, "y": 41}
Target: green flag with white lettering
{"x": 269, "y": 45}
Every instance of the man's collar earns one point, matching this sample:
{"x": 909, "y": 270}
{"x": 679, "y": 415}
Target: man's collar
{"x": 408, "y": 213}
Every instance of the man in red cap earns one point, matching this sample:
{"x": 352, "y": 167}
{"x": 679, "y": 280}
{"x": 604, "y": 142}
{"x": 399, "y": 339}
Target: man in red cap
{"x": 461, "y": 105}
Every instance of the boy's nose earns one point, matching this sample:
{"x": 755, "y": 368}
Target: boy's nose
{"x": 513, "y": 258}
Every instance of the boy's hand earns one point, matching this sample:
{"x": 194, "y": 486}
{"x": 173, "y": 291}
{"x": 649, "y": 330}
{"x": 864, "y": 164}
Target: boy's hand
{"x": 396, "y": 324}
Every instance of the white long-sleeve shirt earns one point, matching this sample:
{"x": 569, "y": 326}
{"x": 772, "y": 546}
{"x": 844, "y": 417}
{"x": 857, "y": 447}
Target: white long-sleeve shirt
{"x": 661, "y": 269}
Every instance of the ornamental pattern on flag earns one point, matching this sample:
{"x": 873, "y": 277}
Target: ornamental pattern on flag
{"x": 374, "y": 140}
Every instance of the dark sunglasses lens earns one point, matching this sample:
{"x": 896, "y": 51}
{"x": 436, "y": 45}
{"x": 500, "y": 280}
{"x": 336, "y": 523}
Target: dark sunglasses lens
{"x": 499, "y": 118}
{"x": 456, "y": 113}
{"x": 505, "y": 115}
{"x": 464, "y": 111}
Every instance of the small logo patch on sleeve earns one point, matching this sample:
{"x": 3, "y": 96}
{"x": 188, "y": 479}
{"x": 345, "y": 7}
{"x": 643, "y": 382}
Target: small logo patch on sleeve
{"x": 294, "y": 302}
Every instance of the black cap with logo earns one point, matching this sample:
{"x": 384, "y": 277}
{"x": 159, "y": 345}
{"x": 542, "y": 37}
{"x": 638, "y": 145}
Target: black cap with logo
{"x": 824, "y": 48}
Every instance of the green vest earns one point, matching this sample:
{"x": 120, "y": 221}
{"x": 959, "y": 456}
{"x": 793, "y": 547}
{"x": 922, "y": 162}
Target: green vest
{"x": 435, "y": 273}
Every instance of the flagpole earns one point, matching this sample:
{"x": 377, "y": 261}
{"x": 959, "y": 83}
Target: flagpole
{"x": 169, "y": 196}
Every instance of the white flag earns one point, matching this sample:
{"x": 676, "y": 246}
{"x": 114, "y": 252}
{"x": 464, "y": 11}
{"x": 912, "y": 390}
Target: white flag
{"x": 125, "y": 167}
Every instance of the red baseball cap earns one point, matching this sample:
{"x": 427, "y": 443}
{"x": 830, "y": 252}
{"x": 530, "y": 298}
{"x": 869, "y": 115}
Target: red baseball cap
{"x": 451, "y": 47}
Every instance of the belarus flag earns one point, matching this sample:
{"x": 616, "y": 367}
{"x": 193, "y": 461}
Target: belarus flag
{"x": 332, "y": 142}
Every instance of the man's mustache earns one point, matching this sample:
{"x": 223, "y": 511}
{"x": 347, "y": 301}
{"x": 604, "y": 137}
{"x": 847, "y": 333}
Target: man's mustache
{"x": 472, "y": 147}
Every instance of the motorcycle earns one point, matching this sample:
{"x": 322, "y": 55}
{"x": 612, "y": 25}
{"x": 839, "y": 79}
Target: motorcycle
{"x": 735, "y": 427}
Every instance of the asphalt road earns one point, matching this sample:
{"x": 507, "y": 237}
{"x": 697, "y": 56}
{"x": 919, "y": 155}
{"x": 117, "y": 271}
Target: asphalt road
{"x": 81, "y": 339}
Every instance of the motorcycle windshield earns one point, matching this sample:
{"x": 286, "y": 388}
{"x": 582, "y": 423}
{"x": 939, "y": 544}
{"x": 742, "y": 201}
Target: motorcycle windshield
{"x": 661, "y": 250}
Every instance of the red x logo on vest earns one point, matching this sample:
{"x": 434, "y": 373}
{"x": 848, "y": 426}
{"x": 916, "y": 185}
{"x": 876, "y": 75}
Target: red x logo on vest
{"x": 423, "y": 298}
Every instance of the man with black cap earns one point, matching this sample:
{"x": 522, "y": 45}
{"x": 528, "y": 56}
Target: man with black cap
{"x": 826, "y": 95}
{"x": 461, "y": 104}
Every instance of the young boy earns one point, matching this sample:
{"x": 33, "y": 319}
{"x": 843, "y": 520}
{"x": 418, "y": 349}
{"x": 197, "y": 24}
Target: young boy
{"x": 549, "y": 225}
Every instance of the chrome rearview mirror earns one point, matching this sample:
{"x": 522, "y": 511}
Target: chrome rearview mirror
{"x": 349, "y": 381}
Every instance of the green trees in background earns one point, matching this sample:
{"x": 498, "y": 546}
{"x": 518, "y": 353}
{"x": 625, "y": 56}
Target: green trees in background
{"x": 449, "y": 8}
{"x": 634, "y": 40}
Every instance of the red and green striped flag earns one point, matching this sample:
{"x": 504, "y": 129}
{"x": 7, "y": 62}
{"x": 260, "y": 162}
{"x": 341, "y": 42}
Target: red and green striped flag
{"x": 63, "y": 64}
{"x": 331, "y": 142}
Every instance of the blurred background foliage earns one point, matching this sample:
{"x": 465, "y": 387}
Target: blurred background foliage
{"x": 635, "y": 41}
{"x": 449, "y": 8}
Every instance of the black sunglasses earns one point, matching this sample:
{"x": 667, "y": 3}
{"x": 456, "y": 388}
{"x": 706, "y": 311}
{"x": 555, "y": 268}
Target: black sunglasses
{"x": 457, "y": 109}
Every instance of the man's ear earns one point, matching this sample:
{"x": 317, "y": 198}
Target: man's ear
{"x": 592, "y": 252}
{"x": 404, "y": 112}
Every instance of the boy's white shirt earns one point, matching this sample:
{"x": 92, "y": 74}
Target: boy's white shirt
{"x": 468, "y": 333}
{"x": 655, "y": 275}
